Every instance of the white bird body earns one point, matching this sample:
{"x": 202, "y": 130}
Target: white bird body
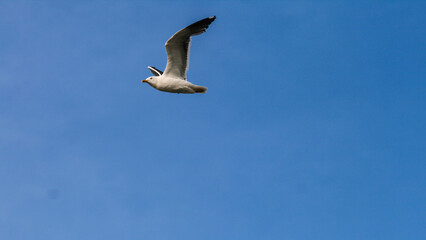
{"x": 174, "y": 77}
{"x": 174, "y": 85}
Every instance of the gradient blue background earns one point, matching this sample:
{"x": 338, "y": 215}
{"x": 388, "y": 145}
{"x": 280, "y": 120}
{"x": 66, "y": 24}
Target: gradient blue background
{"x": 312, "y": 127}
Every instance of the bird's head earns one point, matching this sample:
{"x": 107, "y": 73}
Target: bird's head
{"x": 151, "y": 80}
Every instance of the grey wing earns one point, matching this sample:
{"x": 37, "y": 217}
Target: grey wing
{"x": 178, "y": 45}
{"x": 155, "y": 71}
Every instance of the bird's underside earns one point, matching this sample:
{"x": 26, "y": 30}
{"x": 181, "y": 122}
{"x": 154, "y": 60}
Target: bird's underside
{"x": 178, "y": 86}
{"x": 174, "y": 77}
{"x": 192, "y": 88}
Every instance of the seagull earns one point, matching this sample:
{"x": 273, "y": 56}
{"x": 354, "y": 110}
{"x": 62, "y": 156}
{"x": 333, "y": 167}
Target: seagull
{"x": 173, "y": 79}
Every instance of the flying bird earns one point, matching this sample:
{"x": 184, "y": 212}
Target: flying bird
{"x": 174, "y": 77}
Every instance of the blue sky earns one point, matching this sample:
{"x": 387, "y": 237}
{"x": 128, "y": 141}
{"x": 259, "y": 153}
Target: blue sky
{"x": 312, "y": 126}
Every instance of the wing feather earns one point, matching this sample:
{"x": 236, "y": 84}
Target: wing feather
{"x": 155, "y": 71}
{"x": 178, "y": 47}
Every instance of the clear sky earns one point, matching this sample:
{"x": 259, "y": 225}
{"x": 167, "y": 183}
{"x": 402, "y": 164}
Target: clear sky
{"x": 312, "y": 126}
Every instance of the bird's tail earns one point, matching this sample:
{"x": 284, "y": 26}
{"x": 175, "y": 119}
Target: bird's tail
{"x": 199, "y": 89}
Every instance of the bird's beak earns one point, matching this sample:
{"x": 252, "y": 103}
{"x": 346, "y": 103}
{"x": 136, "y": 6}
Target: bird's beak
{"x": 144, "y": 80}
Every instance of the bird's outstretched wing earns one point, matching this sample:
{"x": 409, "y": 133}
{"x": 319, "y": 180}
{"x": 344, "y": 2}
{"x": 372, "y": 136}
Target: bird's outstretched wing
{"x": 178, "y": 45}
{"x": 155, "y": 71}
